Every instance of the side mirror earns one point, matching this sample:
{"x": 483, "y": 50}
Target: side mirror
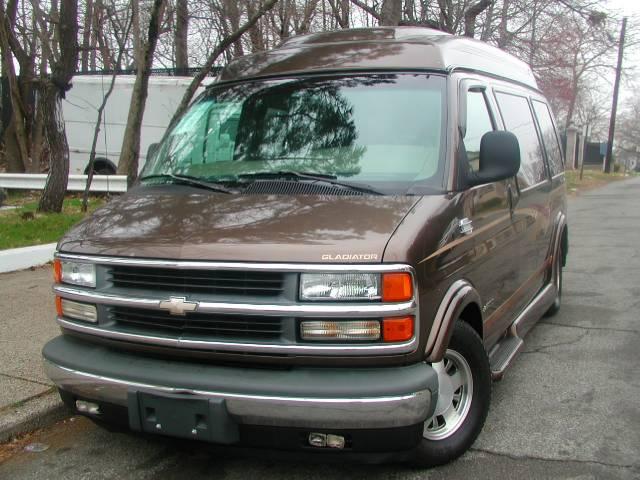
{"x": 151, "y": 150}
{"x": 499, "y": 158}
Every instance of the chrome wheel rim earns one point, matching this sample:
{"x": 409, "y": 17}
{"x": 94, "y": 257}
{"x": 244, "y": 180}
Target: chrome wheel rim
{"x": 454, "y": 397}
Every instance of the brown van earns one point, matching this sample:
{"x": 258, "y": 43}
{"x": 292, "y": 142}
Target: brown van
{"x": 337, "y": 249}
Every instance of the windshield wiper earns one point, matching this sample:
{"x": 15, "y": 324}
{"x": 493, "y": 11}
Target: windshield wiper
{"x": 191, "y": 181}
{"x": 317, "y": 177}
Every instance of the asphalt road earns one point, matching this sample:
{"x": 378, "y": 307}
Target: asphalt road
{"x": 568, "y": 408}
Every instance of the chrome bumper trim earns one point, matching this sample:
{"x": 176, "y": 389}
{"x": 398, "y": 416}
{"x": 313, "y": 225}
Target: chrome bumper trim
{"x": 284, "y": 411}
{"x": 263, "y": 348}
{"x": 296, "y": 310}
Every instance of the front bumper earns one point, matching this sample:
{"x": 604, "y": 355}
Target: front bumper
{"x": 319, "y": 398}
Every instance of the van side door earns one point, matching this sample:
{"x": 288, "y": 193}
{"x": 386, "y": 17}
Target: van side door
{"x": 532, "y": 209}
{"x": 495, "y": 253}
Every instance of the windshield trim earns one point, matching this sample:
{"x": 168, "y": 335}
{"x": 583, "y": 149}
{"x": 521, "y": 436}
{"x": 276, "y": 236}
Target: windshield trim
{"x": 437, "y": 184}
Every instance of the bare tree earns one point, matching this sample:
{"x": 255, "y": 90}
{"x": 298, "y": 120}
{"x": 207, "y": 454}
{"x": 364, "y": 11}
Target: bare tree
{"x": 96, "y": 130}
{"x": 51, "y": 92}
{"x": 130, "y": 153}
{"x": 181, "y": 35}
{"x": 219, "y": 50}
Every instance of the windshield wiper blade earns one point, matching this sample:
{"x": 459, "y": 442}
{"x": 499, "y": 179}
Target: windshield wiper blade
{"x": 191, "y": 181}
{"x": 318, "y": 177}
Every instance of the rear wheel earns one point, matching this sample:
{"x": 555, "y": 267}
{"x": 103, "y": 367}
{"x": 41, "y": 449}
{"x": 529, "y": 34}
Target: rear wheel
{"x": 464, "y": 378}
{"x": 102, "y": 166}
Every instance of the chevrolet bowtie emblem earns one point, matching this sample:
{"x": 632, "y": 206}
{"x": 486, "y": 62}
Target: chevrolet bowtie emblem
{"x": 178, "y": 306}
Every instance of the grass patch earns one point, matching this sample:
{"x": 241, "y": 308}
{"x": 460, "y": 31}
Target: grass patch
{"x": 590, "y": 179}
{"x": 23, "y": 226}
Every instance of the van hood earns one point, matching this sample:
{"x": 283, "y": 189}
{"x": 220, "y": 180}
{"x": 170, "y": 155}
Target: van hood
{"x": 176, "y": 223}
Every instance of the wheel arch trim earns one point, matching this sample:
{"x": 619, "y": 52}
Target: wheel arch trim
{"x": 561, "y": 227}
{"x": 459, "y": 295}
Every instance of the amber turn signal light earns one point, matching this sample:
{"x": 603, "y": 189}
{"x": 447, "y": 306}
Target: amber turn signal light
{"x": 57, "y": 271}
{"x": 397, "y": 329}
{"x": 59, "y": 306}
{"x": 396, "y": 287}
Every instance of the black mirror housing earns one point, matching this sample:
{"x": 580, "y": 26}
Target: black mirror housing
{"x": 499, "y": 158}
{"x": 152, "y": 149}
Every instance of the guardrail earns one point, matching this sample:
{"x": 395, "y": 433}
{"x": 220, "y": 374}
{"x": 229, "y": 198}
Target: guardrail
{"x": 76, "y": 183}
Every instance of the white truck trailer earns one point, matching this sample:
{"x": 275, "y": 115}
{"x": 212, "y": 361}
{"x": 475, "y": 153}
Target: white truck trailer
{"x": 80, "y": 109}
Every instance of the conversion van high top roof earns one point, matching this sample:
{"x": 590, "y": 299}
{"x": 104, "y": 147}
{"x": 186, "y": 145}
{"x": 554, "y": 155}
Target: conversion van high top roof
{"x": 338, "y": 247}
{"x": 393, "y": 48}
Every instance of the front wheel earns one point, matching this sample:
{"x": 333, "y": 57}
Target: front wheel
{"x": 464, "y": 379}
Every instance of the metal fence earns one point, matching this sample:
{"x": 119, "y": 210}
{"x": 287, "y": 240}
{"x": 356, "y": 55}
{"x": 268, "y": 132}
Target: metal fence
{"x": 76, "y": 183}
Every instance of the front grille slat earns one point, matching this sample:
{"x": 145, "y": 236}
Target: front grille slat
{"x": 218, "y": 282}
{"x": 197, "y": 324}
{"x": 169, "y": 285}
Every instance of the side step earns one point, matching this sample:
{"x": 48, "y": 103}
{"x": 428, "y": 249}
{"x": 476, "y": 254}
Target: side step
{"x": 503, "y": 354}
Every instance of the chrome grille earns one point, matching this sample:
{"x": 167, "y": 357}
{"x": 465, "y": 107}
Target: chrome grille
{"x": 230, "y": 282}
{"x": 195, "y": 324}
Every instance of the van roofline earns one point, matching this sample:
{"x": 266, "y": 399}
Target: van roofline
{"x": 380, "y": 48}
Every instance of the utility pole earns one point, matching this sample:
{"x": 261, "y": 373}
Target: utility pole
{"x": 614, "y": 106}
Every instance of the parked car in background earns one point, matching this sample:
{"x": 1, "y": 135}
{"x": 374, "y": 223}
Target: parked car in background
{"x": 80, "y": 110}
{"x": 336, "y": 249}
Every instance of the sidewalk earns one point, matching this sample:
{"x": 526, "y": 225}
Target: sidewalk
{"x": 27, "y": 397}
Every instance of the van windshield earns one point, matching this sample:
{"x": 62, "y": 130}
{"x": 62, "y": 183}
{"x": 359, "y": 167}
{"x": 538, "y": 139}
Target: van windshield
{"x": 380, "y": 130}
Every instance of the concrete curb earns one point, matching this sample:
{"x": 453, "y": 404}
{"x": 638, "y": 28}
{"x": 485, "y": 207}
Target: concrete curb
{"x": 26, "y": 257}
{"x": 38, "y": 412}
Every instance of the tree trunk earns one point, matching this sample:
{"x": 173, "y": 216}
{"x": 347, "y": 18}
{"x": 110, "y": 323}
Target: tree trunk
{"x": 233, "y": 14}
{"x": 130, "y": 152}
{"x": 391, "y": 12}
{"x": 11, "y": 149}
{"x": 471, "y": 14}
{"x": 446, "y": 22}
{"x": 219, "y": 50}
{"x": 255, "y": 35}
{"x": 181, "y": 33}
{"x": 50, "y": 101}
{"x": 56, "y": 147}
{"x": 19, "y": 114}
{"x": 86, "y": 35}
{"x": 503, "y": 32}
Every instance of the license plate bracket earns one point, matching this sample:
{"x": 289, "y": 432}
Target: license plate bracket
{"x": 182, "y": 416}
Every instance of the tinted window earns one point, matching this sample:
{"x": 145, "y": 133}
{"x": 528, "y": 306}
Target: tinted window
{"x": 519, "y": 121}
{"x": 378, "y": 129}
{"x": 478, "y": 123}
{"x": 549, "y": 137}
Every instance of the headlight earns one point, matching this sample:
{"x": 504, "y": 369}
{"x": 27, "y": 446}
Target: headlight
{"x": 388, "y": 287}
{"x": 340, "y": 286}
{"x": 76, "y": 273}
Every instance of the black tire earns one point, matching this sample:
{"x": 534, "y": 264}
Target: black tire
{"x": 557, "y": 303}
{"x": 432, "y": 452}
{"x": 101, "y": 166}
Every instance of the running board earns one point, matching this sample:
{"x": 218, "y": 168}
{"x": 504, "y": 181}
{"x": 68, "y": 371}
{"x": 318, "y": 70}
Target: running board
{"x": 503, "y": 355}
{"x": 506, "y": 350}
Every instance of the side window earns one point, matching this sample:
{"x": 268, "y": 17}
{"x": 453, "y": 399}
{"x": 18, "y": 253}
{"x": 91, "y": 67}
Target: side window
{"x": 549, "y": 137}
{"x": 518, "y": 119}
{"x": 478, "y": 123}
